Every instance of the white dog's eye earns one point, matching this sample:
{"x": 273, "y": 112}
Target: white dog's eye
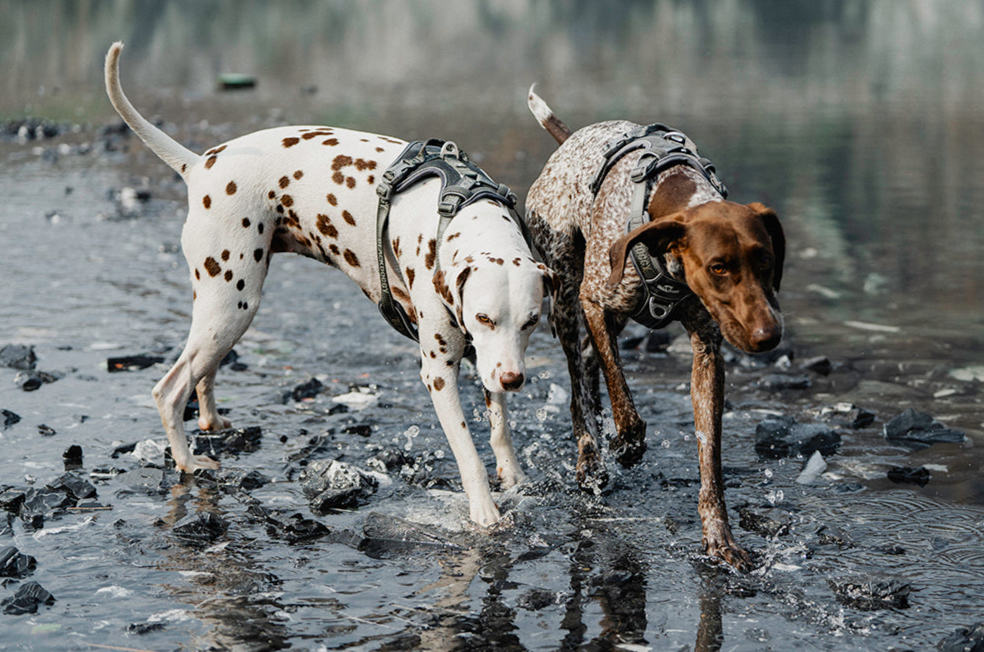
{"x": 484, "y": 319}
{"x": 531, "y": 322}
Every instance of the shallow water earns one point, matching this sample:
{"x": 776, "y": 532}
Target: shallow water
{"x": 858, "y": 122}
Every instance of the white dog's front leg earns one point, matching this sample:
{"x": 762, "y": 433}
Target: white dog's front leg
{"x": 507, "y": 466}
{"x": 442, "y": 383}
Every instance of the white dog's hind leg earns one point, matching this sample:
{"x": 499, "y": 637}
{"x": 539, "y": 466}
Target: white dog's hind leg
{"x": 208, "y": 416}
{"x": 507, "y": 465}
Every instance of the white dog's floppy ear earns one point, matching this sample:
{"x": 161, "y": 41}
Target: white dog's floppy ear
{"x": 450, "y": 284}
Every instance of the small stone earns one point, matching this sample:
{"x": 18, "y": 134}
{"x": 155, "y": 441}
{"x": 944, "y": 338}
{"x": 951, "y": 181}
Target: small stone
{"x": 779, "y": 437}
{"x": 828, "y": 535}
{"x": 819, "y": 365}
{"x": 72, "y": 457}
{"x": 200, "y": 529}
{"x": 330, "y": 484}
{"x": 8, "y": 418}
{"x": 815, "y": 466}
{"x": 77, "y": 488}
{"x": 310, "y": 389}
{"x": 908, "y": 475}
{"x": 965, "y": 639}
{"x": 28, "y": 598}
{"x": 46, "y": 431}
{"x": 871, "y": 592}
{"x": 15, "y": 564}
{"x": 18, "y": 356}
{"x": 233, "y": 440}
{"x": 917, "y": 430}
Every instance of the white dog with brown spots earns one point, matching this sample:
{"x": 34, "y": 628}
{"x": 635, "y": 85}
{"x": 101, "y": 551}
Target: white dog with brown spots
{"x": 312, "y": 191}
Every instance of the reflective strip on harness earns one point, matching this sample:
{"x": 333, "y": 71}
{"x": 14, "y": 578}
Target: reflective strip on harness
{"x": 462, "y": 183}
{"x": 663, "y": 149}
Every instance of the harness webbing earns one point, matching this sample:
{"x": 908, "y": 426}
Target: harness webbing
{"x": 462, "y": 183}
{"x": 663, "y": 148}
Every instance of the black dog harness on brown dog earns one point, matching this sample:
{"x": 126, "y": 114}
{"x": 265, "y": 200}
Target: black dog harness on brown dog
{"x": 462, "y": 183}
{"x": 663, "y": 148}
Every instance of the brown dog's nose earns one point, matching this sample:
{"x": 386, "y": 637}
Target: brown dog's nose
{"x": 511, "y": 381}
{"x": 766, "y": 339}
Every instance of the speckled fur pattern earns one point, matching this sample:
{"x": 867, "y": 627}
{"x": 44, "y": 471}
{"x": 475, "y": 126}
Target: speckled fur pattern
{"x": 311, "y": 190}
{"x": 583, "y": 238}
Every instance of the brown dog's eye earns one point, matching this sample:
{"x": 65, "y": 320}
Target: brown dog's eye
{"x": 718, "y": 269}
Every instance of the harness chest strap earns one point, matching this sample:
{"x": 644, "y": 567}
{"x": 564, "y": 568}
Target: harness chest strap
{"x": 664, "y": 148}
{"x": 462, "y": 183}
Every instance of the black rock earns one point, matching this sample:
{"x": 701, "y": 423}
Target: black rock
{"x": 872, "y": 592}
{"x": 917, "y": 430}
{"x": 775, "y": 382}
{"x": 32, "y": 380}
{"x": 330, "y": 484}
{"x": 389, "y": 460}
{"x": 18, "y": 356}
{"x": 819, "y": 365}
{"x": 233, "y": 440}
{"x": 237, "y": 480}
{"x": 11, "y": 500}
{"x": 28, "y": 598}
{"x": 8, "y": 418}
{"x": 537, "y": 599}
{"x": 846, "y": 415}
{"x": 42, "y": 502}
{"x": 779, "y": 437}
{"x": 384, "y": 531}
{"x": 46, "y": 431}
{"x": 965, "y": 639}
{"x": 140, "y": 629}
{"x": 360, "y": 429}
{"x": 77, "y": 488}
{"x": 828, "y": 535}
{"x": 15, "y": 564}
{"x": 908, "y": 475}
{"x": 6, "y": 525}
{"x": 200, "y": 529}
{"x": 293, "y": 528}
{"x": 72, "y": 457}
{"x": 310, "y": 389}
{"x": 132, "y": 362}
{"x": 769, "y": 522}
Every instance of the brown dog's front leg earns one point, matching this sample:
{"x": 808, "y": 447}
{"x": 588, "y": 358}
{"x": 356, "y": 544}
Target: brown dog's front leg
{"x": 707, "y": 395}
{"x": 630, "y": 442}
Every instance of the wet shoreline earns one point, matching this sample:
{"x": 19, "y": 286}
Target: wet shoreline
{"x": 247, "y": 560}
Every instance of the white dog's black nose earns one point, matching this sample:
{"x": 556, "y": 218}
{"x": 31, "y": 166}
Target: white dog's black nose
{"x": 511, "y": 381}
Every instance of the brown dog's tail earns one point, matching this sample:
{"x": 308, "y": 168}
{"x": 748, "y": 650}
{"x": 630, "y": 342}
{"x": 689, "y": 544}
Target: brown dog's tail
{"x": 169, "y": 150}
{"x": 545, "y": 116}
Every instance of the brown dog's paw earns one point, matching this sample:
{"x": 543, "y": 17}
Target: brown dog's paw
{"x": 730, "y": 553}
{"x": 629, "y": 447}
{"x": 590, "y": 472}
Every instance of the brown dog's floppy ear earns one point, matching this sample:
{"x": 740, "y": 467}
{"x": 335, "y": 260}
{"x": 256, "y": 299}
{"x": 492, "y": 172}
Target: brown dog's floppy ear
{"x": 657, "y": 236}
{"x": 771, "y": 223}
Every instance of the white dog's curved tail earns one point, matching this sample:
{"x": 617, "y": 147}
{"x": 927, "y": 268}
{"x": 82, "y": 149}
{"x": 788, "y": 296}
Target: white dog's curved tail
{"x": 545, "y": 116}
{"x": 169, "y": 150}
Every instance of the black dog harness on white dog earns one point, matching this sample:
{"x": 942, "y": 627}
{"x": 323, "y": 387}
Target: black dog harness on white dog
{"x": 663, "y": 148}
{"x": 462, "y": 183}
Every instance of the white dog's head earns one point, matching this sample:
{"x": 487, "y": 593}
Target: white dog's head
{"x": 497, "y": 302}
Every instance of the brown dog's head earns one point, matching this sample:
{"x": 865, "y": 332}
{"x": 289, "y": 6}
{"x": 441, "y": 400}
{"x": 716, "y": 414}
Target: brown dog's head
{"x": 731, "y": 257}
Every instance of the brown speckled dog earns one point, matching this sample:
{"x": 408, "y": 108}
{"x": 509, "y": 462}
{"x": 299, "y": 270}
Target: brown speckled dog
{"x": 729, "y": 255}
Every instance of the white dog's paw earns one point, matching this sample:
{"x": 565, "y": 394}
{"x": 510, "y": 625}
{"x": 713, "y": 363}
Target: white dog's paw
{"x": 219, "y": 423}
{"x": 509, "y": 477}
{"x": 197, "y": 462}
{"x": 485, "y": 514}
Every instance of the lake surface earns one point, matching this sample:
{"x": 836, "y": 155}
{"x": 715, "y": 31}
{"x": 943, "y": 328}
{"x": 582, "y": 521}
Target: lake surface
{"x": 859, "y": 122}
